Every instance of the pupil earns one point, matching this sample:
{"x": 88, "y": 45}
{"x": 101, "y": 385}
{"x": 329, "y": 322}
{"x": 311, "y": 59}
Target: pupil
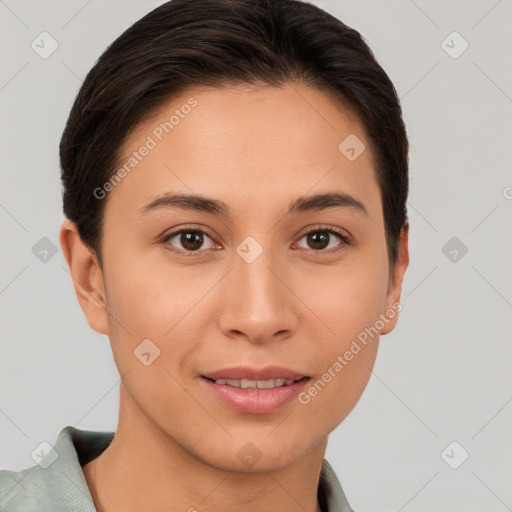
{"x": 318, "y": 238}
{"x": 191, "y": 240}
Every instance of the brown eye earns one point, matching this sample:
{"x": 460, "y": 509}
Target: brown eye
{"x": 318, "y": 240}
{"x": 188, "y": 240}
{"x": 321, "y": 239}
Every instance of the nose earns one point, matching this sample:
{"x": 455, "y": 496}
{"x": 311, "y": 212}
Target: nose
{"x": 258, "y": 303}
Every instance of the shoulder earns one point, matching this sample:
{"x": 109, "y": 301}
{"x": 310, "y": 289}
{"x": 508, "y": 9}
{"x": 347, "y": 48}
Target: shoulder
{"x": 56, "y": 483}
{"x": 28, "y": 490}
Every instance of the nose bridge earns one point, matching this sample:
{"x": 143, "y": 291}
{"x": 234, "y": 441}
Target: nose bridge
{"x": 258, "y": 285}
{"x": 257, "y": 303}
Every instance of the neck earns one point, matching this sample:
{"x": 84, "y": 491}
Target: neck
{"x": 144, "y": 469}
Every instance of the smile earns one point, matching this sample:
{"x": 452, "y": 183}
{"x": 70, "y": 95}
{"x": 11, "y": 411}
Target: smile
{"x": 255, "y": 384}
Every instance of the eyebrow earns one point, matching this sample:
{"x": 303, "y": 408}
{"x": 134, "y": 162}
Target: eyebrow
{"x": 216, "y": 207}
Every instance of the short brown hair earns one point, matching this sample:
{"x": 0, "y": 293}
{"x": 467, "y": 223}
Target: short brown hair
{"x": 185, "y": 43}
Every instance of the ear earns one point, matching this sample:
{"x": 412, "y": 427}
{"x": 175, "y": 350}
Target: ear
{"x": 87, "y": 277}
{"x": 395, "y": 281}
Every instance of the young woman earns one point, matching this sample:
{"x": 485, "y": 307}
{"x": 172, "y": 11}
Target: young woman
{"x": 235, "y": 179}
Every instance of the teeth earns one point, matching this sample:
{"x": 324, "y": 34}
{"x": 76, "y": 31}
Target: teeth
{"x": 255, "y": 384}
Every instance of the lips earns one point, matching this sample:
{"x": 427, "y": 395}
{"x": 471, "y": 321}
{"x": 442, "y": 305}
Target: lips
{"x": 255, "y": 374}
{"x": 254, "y": 384}
{"x": 258, "y": 396}
{"x": 255, "y": 390}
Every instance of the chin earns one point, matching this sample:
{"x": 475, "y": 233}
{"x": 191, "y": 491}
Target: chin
{"x": 260, "y": 455}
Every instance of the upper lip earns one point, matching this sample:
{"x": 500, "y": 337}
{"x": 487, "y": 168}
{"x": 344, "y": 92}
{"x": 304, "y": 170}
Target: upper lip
{"x": 245, "y": 372}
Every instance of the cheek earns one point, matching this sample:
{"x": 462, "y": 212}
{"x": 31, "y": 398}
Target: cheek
{"x": 348, "y": 303}
{"x": 346, "y": 299}
{"x": 344, "y": 358}
{"x": 331, "y": 395}
{"x": 154, "y": 313}
{"x": 166, "y": 305}
{"x": 155, "y": 300}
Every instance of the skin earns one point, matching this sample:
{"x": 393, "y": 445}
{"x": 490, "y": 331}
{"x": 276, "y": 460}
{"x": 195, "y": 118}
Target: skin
{"x": 298, "y": 305}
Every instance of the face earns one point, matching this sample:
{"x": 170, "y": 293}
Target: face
{"x": 280, "y": 271}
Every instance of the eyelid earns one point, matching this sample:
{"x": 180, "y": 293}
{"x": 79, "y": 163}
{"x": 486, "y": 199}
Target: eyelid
{"x": 346, "y": 239}
{"x": 327, "y": 227}
{"x": 189, "y": 227}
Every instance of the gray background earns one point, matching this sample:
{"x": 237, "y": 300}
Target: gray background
{"x": 443, "y": 375}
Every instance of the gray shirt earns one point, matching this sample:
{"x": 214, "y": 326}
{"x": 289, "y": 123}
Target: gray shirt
{"x": 57, "y": 483}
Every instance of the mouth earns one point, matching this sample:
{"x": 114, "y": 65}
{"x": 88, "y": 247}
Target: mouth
{"x": 256, "y": 384}
{"x": 254, "y": 391}
{"x": 245, "y": 377}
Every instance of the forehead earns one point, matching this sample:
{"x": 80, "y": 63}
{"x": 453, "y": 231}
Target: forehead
{"x": 291, "y": 112}
{"x": 242, "y": 142}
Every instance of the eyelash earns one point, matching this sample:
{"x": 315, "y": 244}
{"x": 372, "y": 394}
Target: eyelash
{"x": 345, "y": 239}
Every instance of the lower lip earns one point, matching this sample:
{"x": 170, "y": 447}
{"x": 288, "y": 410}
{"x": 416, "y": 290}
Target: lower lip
{"x": 255, "y": 401}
